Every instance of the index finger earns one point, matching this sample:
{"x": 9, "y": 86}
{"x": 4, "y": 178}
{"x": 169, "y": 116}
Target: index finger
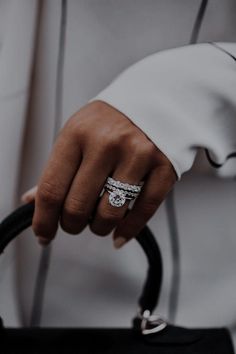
{"x": 54, "y": 184}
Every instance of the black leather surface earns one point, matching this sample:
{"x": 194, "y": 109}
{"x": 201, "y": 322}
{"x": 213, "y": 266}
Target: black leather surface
{"x": 115, "y": 341}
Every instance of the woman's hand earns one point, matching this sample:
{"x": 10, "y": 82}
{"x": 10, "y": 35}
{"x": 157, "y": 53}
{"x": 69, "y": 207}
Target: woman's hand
{"x": 97, "y": 142}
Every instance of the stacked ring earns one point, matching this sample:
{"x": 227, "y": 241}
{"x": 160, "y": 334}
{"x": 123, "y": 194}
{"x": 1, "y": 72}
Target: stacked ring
{"x": 120, "y": 191}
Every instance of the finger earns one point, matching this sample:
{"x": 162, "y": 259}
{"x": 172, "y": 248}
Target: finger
{"x": 29, "y": 195}
{"x": 84, "y": 193}
{"x": 156, "y": 187}
{"x": 55, "y": 183}
{"x": 108, "y": 216}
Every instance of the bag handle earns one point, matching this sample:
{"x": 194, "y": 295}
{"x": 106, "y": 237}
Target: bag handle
{"x": 21, "y": 218}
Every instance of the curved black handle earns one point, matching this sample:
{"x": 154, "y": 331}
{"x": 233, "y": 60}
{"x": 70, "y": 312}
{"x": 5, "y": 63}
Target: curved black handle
{"x": 21, "y": 218}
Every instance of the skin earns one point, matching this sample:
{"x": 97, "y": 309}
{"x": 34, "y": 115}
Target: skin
{"x": 96, "y": 142}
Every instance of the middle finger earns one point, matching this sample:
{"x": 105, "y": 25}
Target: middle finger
{"x": 84, "y": 193}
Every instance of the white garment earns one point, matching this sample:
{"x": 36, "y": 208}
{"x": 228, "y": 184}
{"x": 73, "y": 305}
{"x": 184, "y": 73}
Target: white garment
{"x": 183, "y": 99}
{"x": 88, "y": 281}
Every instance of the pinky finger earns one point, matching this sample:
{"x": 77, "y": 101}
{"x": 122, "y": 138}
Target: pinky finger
{"x": 160, "y": 181}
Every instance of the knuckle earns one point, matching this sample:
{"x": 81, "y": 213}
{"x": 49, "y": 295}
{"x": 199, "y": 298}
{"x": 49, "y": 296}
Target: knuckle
{"x": 168, "y": 175}
{"x": 79, "y": 130}
{"x": 142, "y": 149}
{"x": 134, "y": 144}
{"x": 108, "y": 142}
{"x": 99, "y": 106}
{"x": 150, "y": 150}
{"x": 50, "y": 194}
{"x": 77, "y": 127}
{"x": 75, "y": 209}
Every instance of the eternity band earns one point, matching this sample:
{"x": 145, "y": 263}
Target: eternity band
{"x": 125, "y": 186}
{"x": 119, "y": 192}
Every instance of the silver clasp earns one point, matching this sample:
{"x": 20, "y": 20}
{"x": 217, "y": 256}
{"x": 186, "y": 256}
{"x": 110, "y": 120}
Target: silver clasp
{"x": 151, "y": 323}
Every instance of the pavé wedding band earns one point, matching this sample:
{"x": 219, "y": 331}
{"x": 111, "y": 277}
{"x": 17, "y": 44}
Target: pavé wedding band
{"x": 120, "y": 191}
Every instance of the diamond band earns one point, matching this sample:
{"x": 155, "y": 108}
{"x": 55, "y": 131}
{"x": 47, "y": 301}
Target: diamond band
{"x": 125, "y": 186}
{"x": 127, "y": 194}
{"x": 120, "y": 192}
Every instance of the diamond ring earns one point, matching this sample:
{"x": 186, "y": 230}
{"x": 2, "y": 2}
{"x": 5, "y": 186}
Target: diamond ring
{"x": 120, "y": 191}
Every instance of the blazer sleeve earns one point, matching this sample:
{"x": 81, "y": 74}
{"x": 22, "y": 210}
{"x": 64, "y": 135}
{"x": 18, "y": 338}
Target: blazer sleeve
{"x": 183, "y": 99}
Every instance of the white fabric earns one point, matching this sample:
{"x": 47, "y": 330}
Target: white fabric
{"x": 17, "y": 39}
{"x": 89, "y": 283}
{"x": 182, "y": 99}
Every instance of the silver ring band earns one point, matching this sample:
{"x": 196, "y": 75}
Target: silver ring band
{"x": 135, "y": 188}
{"x": 129, "y": 195}
{"x": 120, "y": 192}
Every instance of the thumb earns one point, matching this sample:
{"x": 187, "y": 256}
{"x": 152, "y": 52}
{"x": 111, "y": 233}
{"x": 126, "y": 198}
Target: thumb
{"x": 29, "y": 196}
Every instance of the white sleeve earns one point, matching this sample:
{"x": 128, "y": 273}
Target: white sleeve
{"x": 182, "y": 99}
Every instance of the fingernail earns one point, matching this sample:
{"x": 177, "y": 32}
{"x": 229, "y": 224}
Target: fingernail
{"x": 43, "y": 241}
{"x": 29, "y": 195}
{"x": 119, "y": 242}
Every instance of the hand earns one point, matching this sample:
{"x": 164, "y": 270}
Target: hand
{"x": 97, "y": 142}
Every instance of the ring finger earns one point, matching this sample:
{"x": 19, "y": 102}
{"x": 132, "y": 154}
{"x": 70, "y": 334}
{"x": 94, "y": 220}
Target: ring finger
{"x": 107, "y": 216}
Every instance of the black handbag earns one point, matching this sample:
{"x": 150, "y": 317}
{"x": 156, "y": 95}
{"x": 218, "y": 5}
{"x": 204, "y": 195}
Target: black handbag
{"x": 149, "y": 334}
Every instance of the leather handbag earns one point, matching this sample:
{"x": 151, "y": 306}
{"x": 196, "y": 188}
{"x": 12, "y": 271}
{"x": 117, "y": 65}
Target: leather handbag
{"x": 148, "y": 334}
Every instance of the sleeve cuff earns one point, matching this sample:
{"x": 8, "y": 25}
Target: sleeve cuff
{"x": 182, "y": 99}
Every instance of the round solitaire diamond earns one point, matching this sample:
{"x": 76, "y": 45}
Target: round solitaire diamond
{"x": 117, "y": 198}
